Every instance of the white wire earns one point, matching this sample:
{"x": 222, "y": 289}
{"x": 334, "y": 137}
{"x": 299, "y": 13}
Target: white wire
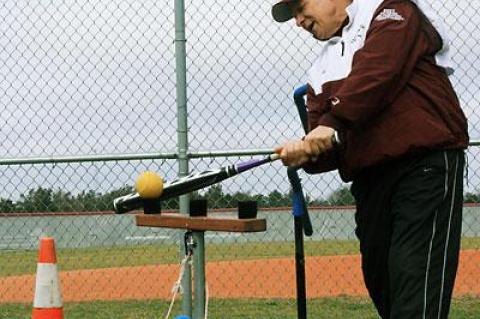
{"x": 206, "y": 300}
{"x": 171, "y": 305}
{"x": 177, "y": 286}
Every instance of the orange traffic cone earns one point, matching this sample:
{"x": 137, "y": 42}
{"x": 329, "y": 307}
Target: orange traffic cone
{"x": 47, "y": 303}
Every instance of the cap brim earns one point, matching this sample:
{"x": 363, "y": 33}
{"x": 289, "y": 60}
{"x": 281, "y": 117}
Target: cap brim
{"x": 282, "y": 11}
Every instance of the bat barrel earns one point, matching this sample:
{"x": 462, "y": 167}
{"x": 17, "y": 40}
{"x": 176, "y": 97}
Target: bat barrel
{"x": 124, "y": 204}
{"x": 134, "y": 201}
{"x": 188, "y": 184}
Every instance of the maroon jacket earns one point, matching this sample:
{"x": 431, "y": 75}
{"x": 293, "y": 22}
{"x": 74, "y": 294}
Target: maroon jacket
{"x": 395, "y": 102}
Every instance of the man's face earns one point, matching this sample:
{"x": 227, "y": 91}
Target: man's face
{"x": 319, "y": 17}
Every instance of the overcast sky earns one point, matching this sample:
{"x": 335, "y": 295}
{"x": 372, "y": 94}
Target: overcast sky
{"x": 98, "y": 77}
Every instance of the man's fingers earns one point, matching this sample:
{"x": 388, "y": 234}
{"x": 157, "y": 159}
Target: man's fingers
{"x": 312, "y": 148}
{"x": 298, "y": 152}
{"x": 292, "y": 153}
{"x": 319, "y": 140}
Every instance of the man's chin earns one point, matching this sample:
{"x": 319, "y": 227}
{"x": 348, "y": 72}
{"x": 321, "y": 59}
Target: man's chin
{"x": 322, "y": 37}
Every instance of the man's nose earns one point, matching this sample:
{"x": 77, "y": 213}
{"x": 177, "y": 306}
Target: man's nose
{"x": 299, "y": 18}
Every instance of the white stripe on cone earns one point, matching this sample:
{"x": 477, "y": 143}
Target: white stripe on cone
{"x": 47, "y": 287}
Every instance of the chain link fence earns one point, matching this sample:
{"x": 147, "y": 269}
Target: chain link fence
{"x": 88, "y": 101}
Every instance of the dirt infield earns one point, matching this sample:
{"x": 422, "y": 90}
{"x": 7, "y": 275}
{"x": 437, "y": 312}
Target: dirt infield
{"x": 266, "y": 278}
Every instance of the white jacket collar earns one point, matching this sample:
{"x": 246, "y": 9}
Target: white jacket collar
{"x": 331, "y": 66}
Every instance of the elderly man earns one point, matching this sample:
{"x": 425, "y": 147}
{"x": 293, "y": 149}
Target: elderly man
{"x": 382, "y": 111}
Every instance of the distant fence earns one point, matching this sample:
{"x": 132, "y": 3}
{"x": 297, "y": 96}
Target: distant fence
{"x": 83, "y": 230}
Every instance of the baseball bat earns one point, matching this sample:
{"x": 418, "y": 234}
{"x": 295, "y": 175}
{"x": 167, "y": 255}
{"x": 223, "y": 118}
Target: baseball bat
{"x": 299, "y": 99}
{"x": 301, "y": 217}
{"x": 189, "y": 184}
{"x": 298, "y": 199}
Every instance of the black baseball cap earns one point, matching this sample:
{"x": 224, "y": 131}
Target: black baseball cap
{"x": 282, "y": 11}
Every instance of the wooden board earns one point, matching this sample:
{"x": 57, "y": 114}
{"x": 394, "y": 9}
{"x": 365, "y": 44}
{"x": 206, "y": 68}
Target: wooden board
{"x": 202, "y": 223}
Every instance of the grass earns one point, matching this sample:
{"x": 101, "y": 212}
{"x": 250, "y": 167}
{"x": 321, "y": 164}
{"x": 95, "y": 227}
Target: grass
{"x": 24, "y": 262}
{"x": 323, "y": 308}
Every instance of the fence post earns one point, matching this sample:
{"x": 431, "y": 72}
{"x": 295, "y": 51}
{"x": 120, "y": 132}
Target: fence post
{"x": 182, "y": 131}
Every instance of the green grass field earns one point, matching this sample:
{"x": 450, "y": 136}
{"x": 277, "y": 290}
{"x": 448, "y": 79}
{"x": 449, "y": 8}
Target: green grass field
{"x": 325, "y": 308}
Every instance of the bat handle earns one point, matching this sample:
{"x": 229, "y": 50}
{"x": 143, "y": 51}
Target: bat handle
{"x": 274, "y": 157}
{"x": 245, "y": 166}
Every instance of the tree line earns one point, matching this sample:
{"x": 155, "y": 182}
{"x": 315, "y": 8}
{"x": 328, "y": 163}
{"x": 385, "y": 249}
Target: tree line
{"x": 48, "y": 200}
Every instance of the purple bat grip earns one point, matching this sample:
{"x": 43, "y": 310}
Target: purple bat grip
{"x": 242, "y": 167}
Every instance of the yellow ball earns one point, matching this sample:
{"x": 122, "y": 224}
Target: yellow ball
{"x": 149, "y": 185}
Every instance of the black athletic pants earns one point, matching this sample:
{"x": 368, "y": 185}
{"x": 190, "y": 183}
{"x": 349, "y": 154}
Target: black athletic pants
{"x": 409, "y": 215}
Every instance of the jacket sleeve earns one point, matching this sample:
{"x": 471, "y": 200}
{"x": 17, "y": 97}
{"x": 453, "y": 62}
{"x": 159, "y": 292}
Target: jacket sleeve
{"x": 380, "y": 69}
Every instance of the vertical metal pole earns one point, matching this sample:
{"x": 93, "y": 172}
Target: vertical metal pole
{"x": 199, "y": 275}
{"x": 182, "y": 131}
{"x": 300, "y": 268}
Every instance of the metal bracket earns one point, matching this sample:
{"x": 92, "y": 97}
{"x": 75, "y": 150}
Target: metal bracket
{"x": 189, "y": 243}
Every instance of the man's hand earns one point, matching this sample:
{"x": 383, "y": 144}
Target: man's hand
{"x": 298, "y": 152}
